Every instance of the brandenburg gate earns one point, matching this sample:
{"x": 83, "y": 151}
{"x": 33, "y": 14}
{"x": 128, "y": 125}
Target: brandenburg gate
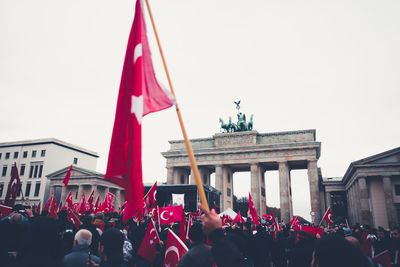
{"x": 226, "y": 153}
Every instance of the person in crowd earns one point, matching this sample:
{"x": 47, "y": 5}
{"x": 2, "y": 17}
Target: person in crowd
{"x": 395, "y": 246}
{"x": 199, "y": 253}
{"x": 110, "y": 249}
{"x": 88, "y": 225}
{"x": 81, "y": 251}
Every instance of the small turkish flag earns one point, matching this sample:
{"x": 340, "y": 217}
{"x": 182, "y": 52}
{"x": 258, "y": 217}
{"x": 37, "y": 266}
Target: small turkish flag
{"x": 174, "y": 250}
{"x": 139, "y": 94}
{"x": 48, "y": 202}
{"x": 67, "y": 176}
{"x": 74, "y": 219}
{"x": 170, "y": 214}
{"x": 269, "y": 217}
{"x": 238, "y": 218}
{"x": 253, "y": 211}
{"x": 295, "y": 224}
{"x": 38, "y": 208}
{"x": 53, "y": 208}
{"x": 13, "y": 187}
{"x": 81, "y": 206}
{"x": 148, "y": 249}
{"x": 68, "y": 200}
{"x": 328, "y": 216}
{"x": 151, "y": 196}
{"x": 383, "y": 259}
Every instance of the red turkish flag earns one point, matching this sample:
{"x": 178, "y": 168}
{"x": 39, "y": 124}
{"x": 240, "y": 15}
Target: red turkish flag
{"x": 68, "y": 200}
{"x": 53, "y": 208}
{"x": 38, "y": 207}
{"x": 295, "y": 224}
{"x": 269, "y": 217}
{"x": 147, "y": 249}
{"x": 13, "y": 187}
{"x": 107, "y": 204}
{"x": 238, "y": 218}
{"x": 383, "y": 259}
{"x": 90, "y": 202}
{"x": 172, "y": 214}
{"x": 49, "y": 202}
{"x": 67, "y": 176}
{"x": 328, "y": 216}
{"x": 151, "y": 196}
{"x": 96, "y": 206}
{"x": 81, "y": 206}
{"x": 139, "y": 94}
{"x": 174, "y": 250}
{"x": 5, "y": 210}
{"x": 253, "y": 211}
{"x": 74, "y": 219}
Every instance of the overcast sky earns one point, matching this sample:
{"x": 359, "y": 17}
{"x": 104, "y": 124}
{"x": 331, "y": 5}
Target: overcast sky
{"x": 332, "y": 66}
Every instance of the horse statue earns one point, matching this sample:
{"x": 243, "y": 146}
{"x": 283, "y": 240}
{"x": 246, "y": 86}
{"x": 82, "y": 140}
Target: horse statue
{"x": 250, "y": 123}
{"x": 241, "y": 124}
{"x": 232, "y": 126}
{"x": 224, "y": 126}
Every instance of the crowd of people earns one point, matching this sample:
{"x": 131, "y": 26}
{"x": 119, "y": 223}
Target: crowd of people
{"x": 31, "y": 239}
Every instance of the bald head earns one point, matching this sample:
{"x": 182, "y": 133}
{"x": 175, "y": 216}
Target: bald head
{"x": 16, "y": 218}
{"x": 353, "y": 241}
{"x": 83, "y": 237}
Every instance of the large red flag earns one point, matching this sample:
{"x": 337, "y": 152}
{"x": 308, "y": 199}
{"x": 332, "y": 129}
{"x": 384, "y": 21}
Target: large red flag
{"x": 90, "y": 202}
{"x": 5, "y": 210}
{"x": 81, "y": 206}
{"x": 67, "y": 176}
{"x": 174, "y": 250}
{"x": 148, "y": 249}
{"x": 328, "y": 216}
{"x": 107, "y": 204}
{"x": 253, "y": 211}
{"x": 13, "y": 187}
{"x": 139, "y": 94}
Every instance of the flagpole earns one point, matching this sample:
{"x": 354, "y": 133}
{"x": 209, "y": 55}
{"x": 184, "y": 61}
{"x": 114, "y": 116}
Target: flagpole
{"x": 323, "y": 217}
{"x": 193, "y": 164}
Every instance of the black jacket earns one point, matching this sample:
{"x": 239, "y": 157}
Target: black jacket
{"x": 198, "y": 255}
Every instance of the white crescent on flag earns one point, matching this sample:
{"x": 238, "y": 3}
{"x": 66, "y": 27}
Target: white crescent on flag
{"x": 162, "y": 215}
{"x": 174, "y": 249}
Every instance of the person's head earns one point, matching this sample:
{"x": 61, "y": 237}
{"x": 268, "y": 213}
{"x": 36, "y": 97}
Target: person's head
{"x": 334, "y": 251}
{"x": 83, "y": 238}
{"x": 196, "y": 233}
{"x": 395, "y": 233}
{"x": 111, "y": 243}
{"x": 16, "y": 218}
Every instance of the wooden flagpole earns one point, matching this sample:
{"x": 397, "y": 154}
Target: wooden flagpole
{"x": 189, "y": 150}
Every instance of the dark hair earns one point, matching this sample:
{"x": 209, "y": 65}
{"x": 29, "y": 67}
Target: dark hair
{"x": 113, "y": 241}
{"x": 196, "y": 233}
{"x": 333, "y": 251}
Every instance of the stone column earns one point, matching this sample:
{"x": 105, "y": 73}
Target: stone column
{"x": 284, "y": 191}
{"x": 314, "y": 190}
{"x": 80, "y": 191}
{"x": 328, "y": 200}
{"x": 192, "y": 179}
{"x": 106, "y": 191}
{"x": 219, "y": 184}
{"x": 263, "y": 200}
{"x": 63, "y": 193}
{"x": 388, "y": 192}
{"x": 364, "y": 201}
{"x": 228, "y": 188}
{"x": 170, "y": 175}
{"x": 94, "y": 189}
{"x": 255, "y": 186}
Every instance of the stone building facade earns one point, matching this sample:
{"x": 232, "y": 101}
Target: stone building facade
{"x": 257, "y": 153}
{"x": 83, "y": 181}
{"x": 372, "y": 189}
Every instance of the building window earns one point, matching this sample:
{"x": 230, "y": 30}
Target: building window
{"x": 4, "y": 172}
{"x": 31, "y": 171}
{"x": 229, "y": 178}
{"x": 22, "y": 170}
{"x": 7, "y": 155}
{"x": 37, "y": 189}
{"x": 228, "y": 192}
{"x": 182, "y": 179}
{"x": 27, "y": 190}
{"x": 1, "y": 189}
{"x": 25, "y": 155}
{"x": 36, "y": 171}
{"x": 20, "y": 189}
{"x": 15, "y": 155}
{"x": 204, "y": 179}
{"x": 76, "y": 195}
{"x": 43, "y": 153}
{"x": 75, "y": 160}
{"x": 40, "y": 170}
{"x": 397, "y": 189}
{"x": 33, "y": 153}
{"x": 0, "y": 155}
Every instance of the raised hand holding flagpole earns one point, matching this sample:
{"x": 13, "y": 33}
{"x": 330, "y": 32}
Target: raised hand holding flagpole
{"x": 193, "y": 164}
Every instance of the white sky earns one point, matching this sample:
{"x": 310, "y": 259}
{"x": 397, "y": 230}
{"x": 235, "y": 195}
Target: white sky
{"x": 332, "y": 66}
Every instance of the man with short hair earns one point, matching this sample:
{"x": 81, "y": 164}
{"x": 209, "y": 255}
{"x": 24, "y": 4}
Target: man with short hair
{"x": 80, "y": 252}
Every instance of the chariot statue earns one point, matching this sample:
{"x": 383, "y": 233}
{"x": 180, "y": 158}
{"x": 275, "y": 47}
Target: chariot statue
{"x": 241, "y": 124}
